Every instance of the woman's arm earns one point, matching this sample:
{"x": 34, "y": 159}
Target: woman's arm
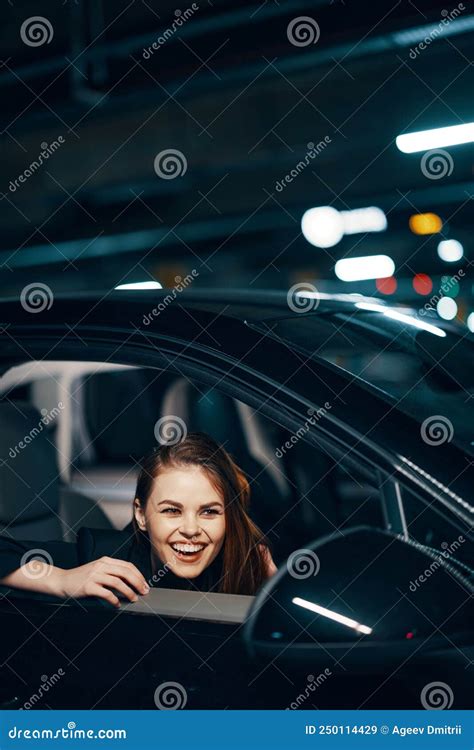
{"x": 36, "y": 576}
{"x": 23, "y": 566}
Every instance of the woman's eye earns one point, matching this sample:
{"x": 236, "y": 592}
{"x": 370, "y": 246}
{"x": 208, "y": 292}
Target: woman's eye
{"x": 172, "y": 511}
{"x": 211, "y": 511}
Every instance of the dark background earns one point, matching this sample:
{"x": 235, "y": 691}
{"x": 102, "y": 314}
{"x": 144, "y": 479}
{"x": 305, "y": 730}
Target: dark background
{"x": 240, "y": 102}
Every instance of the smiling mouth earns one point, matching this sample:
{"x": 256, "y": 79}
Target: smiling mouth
{"x": 188, "y": 552}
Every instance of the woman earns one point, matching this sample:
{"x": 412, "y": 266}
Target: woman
{"x": 190, "y": 530}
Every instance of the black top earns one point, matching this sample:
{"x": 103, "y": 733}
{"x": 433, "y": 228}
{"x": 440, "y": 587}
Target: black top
{"x": 91, "y": 544}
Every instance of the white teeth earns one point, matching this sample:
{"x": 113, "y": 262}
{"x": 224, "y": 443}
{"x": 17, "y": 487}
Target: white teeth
{"x": 188, "y": 547}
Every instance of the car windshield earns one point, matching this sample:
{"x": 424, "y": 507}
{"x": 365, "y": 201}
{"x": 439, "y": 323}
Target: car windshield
{"x": 423, "y": 371}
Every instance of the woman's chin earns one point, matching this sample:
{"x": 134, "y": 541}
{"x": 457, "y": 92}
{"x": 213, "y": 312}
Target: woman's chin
{"x": 187, "y": 573}
{"x": 188, "y": 569}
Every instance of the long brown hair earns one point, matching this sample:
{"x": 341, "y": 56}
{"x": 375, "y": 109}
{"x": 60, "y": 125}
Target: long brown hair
{"x": 244, "y": 568}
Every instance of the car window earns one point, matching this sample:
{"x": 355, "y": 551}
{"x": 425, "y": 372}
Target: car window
{"x": 299, "y": 492}
{"x": 435, "y": 527}
{"x": 423, "y": 373}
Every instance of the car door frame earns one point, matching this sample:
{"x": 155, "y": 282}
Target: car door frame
{"x": 285, "y": 406}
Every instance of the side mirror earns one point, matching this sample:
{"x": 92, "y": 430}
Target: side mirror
{"x": 362, "y": 594}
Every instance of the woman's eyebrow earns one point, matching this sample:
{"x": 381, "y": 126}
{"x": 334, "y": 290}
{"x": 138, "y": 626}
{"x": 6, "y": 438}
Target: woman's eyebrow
{"x": 180, "y": 505}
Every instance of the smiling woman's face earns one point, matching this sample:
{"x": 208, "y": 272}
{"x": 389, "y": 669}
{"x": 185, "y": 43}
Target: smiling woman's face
{"x": 185, "y": 520}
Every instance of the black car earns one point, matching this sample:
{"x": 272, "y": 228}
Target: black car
{"x": 353, "y": 422}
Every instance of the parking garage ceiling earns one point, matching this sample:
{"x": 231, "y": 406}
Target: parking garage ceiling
{"x": 240, "y": 103}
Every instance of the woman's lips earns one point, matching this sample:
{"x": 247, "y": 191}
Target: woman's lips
{"x": 188, "y": 557}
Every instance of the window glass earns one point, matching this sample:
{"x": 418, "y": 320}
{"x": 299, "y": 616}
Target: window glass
{"x": 430, "y": 524}
{"x": 423, "y": 373}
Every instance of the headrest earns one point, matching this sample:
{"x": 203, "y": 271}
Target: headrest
{"x": 29, "y": 482}
{"x": 121, "y": 410}
{"x": 207, "y": 410}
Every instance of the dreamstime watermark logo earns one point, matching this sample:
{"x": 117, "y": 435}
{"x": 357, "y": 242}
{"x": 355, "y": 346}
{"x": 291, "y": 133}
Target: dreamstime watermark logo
{"x": 181, "y": 285}
{"x": 46, "y": 419}
{"x": 181, "y": 18}
{"x": 36, "y": 31}
{"x": 314, "y": 416}
{"x": 170, "y": 163}
{"x": 36, "y": 297}
{"x": 438, "y": 30}
{"x": 313, "y": 684}
{"x": 170, "y": 696}
{"x": 437, "y": 430}
{"x": 446, "y": 552}
{"x": 303, "y": 31}
{"x": 437, "y": 696}
{"x": 36, "y": 564}
{"x": 160, "y": 573}
{"x": 302, "y": 297}
{"x": 71, "y": 732}
{"x": 47, "y": 150}
{"x": 170, "y": 430}
{"x": 437, "y": 164}
{"x": 313, "y": 151}
{"x": 46, "y": 684}
{"x": 448, "y": 282}
{"x": 303, "y": 563}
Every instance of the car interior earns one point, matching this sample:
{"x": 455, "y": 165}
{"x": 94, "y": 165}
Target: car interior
{"x": 72, "y": 435}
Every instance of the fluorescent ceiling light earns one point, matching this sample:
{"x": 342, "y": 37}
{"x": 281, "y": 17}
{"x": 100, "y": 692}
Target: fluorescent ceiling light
{"x": 389, "y": 312}
{"x": 424, "y": 140}
{"x": 452, "y": 27}
{"x": 371, "y": 219}
{"x": 325, "y": 226}
{"x": 322, "y": 226}
{"x": 365, "y": 267}
{"x": 450, "y": 251}
{"x": 332, "y": 615}
{"x": 141, "y": 285}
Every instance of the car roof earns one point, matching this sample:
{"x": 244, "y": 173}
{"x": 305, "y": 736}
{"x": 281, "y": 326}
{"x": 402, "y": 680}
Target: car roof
{"x": 240, "y": 304}
{"x": 243, "y": 303}
{"x": 246, "y": 303}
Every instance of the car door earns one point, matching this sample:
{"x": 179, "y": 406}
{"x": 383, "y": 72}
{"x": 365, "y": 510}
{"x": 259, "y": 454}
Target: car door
{"x": 185, "y": 648}
{"x": 265, "y": 381}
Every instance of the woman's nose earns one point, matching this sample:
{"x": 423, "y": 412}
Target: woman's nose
{"x": 190, "y": 526}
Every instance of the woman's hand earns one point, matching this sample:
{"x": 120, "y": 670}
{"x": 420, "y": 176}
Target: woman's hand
{"x": 101, "y": 578}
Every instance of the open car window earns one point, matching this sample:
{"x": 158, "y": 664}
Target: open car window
{"x": 111, "y": 415}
